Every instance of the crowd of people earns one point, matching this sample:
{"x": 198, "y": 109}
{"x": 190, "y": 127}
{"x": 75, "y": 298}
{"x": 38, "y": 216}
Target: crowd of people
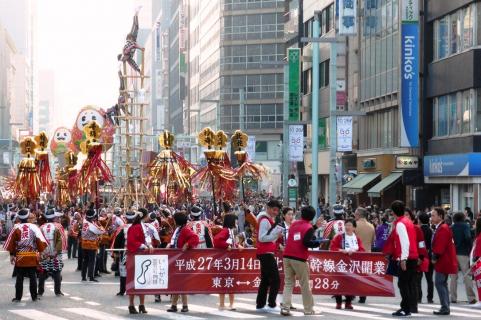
{"x": 418, "y": 244}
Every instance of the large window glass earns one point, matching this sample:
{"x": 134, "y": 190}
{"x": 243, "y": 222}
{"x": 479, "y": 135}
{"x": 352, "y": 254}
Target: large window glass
{"x": 454, "y": 33}
{"x": 457, "y": 113}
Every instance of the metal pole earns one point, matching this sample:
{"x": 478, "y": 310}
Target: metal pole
{"x": 315, "y": 113}
{"x": 285, "y": 136}
{"x": 333, "y": 124}
{"x": 242, "y": 109}
{"x": 217, "y": 110}
{"x": 10, "y": 147}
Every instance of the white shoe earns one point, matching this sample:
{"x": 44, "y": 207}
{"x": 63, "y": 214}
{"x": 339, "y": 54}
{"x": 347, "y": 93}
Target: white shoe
{"x": 273, "y": 310}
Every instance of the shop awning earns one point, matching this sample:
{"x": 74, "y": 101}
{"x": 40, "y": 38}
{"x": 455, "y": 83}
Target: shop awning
{"x": 385, "y": 183}
{"x": 357, "y": 184}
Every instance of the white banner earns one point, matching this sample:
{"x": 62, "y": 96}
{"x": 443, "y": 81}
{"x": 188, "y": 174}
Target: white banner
{"x": 344, "y": 134}
{"x": 409, "y": 11}
{"x": 151, "y": 272}
{"x": 251, "y": 147}
{"x": 296, "y": 143}
{"x": 347, "y": 17}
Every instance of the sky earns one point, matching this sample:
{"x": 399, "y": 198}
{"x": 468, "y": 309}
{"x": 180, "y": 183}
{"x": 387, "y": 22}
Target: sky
{"x": 79, "y": 41}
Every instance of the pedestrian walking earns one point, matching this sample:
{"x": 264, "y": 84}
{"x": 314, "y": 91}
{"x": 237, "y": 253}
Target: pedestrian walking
{"x": 300, "y": 239}
{"x": 24, "y": 243}
{"x": 268, "y": 234}
{"x": 428, "y": 235}
{"x": 463, "y": 242}
{"x": 366, "y": 232}
{"x": 443, "y": 258}
{"x": 401, "y": 246}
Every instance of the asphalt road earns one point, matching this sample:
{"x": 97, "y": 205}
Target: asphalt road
{"x": 98, "y": 301}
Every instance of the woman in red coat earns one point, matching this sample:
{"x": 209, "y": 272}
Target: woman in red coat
{"x": 183, "y": 238}
{"x": 443, "y": 258}
{"x": 226, "y": 239}
{"x": 476, "y": 253}
{"x": 136, "y": 242}
{"x": 347, "y": 243}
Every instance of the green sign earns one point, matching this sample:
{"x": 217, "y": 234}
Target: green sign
{"x": 182, "y": 63}
{"x": 294, "y": 87}
{"x": 292, "y": 196}
{"x": 322, "y": 133}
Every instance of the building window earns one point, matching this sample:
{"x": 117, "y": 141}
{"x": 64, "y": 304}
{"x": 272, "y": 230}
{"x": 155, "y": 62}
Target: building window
{"x": 454, "y": 33}
{"x": 457, "y": 113}
{"x": 324, "y": 74}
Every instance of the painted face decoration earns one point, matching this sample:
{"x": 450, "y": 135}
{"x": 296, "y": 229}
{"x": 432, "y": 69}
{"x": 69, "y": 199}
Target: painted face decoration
{"x": 61, "y": 142}
{"x": 62, "y": 135}
{"x": 87, "y": 115}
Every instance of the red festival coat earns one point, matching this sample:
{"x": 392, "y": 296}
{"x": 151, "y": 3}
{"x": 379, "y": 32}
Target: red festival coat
{"x": 443, "y": 247}
{"x": 220, "y": 239}
{"x": 477, "y": 247}
{"x": 187, "y": 236}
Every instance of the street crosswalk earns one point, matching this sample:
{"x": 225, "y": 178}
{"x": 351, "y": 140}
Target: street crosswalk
{"x": 244, "y": 310}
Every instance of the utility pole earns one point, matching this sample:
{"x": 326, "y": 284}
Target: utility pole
{"x": 315, "y": 112}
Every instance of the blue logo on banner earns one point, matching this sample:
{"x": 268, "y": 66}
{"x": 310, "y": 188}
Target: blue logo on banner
{"x": 453, "y": 165}
{"x": 410, "y": 85}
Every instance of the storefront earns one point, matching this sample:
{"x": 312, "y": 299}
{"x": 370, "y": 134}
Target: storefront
{"x": 383, "y": 179}
{"x": 454, "y": 180}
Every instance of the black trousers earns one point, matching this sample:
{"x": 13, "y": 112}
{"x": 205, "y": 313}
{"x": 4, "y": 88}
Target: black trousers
{"x": 88, "y": 262}
{"x": 22, "y": 272}
{"x": 429, "y": 279}
{"x": 80, "y": 257}
{"x": 407, "y": 284}
{"x": 348, "y": 299}
{"x": 101, "y": 262}
{"x": 270, "y": 281}
{"x": 57, "y": 280}
{"x": 72, "y": 247}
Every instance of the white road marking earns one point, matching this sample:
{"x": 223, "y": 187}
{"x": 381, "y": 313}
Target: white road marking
{"x": 430, "y": 311}
{"x": 252, "y": 307}
{"x": 466, "y": 309}
{"x": 93, "y": 314}
{"x": 227, "y": 314}
{"x": 92, "y": 303}
{"x": 167, "y": 315}
{"x": 76, "y": 298}
{"x": 383, "y": 311}
{"x": 36, "y": 315}
{"x": 330, "y": 308}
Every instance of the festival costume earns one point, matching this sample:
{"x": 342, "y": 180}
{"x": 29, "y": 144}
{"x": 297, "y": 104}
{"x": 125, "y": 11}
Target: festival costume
{"x": 25, "y": 242}
{"x": 73, "y": 233}
{"x": 51, "y": 263}
{"x": 89, "y": 244}
{"x": 202, "y": 229}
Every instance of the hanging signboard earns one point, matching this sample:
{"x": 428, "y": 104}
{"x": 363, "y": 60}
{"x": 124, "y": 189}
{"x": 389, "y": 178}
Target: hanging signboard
{"x": 344, "y": 134}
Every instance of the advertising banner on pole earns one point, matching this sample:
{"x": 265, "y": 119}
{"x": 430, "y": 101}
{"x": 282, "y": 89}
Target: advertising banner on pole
{"x": 322, "y": 133}
{"x": 347, "y": 17}
{"x": 294, "y": 87}
{"x": 204, "y": 271}
{"x": 296, "y": 142}
{"x": 409, "y": 74}
{"x": 344, "y": 134}
{"x": 251, "y": 147}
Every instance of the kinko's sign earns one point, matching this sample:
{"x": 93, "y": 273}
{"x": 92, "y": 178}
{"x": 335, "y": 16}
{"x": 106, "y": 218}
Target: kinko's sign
{"x": 172, "y": 271}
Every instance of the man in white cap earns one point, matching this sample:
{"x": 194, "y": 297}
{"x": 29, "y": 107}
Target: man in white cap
{"x": 24, "y": 243}
{"x": 335, "y": 226}
{"x": 51, "y": 259}
{"x": 89, "y": 243}
{"x": 201, "y": 228}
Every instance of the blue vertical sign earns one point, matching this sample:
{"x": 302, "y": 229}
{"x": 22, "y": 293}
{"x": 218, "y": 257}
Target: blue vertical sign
{"x": 409, "y": 74}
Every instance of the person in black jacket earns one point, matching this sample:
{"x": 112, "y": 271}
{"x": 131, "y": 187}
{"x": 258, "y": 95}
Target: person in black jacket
{"x": 428, "y": 234}
{"x": 464, "y": 242}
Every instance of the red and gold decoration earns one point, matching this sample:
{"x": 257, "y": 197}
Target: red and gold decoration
{"x": 218, "y": 176}
{"x": 62, "y": 196}
{"x": 84, "y": 117}
{"x": 94, "y": 169}
{"x": 169, "y": 173}
{"x": 43, "y": 163}
{"x": 72, "y": 182}
{"x": 27, "y": 183}
{"x": 246, "y": 169}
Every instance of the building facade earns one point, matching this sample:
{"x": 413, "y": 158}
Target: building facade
{"x": 46, "y": 103}
{"x": 452, "y": 119}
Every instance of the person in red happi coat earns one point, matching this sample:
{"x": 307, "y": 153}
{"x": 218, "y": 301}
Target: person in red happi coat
{"x": 227, "y": 240}
{"x": 443, "y": 258}
{"x": 183, "y": 238}
{"x": 347, "y": 242}
{"x": 476, "y": 255}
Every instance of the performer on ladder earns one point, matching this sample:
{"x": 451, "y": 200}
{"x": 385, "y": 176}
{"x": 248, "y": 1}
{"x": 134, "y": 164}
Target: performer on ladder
{"x": 131, "y": 45}
{"x": 51, "y": 259}
{"x": 24, "y": 243}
